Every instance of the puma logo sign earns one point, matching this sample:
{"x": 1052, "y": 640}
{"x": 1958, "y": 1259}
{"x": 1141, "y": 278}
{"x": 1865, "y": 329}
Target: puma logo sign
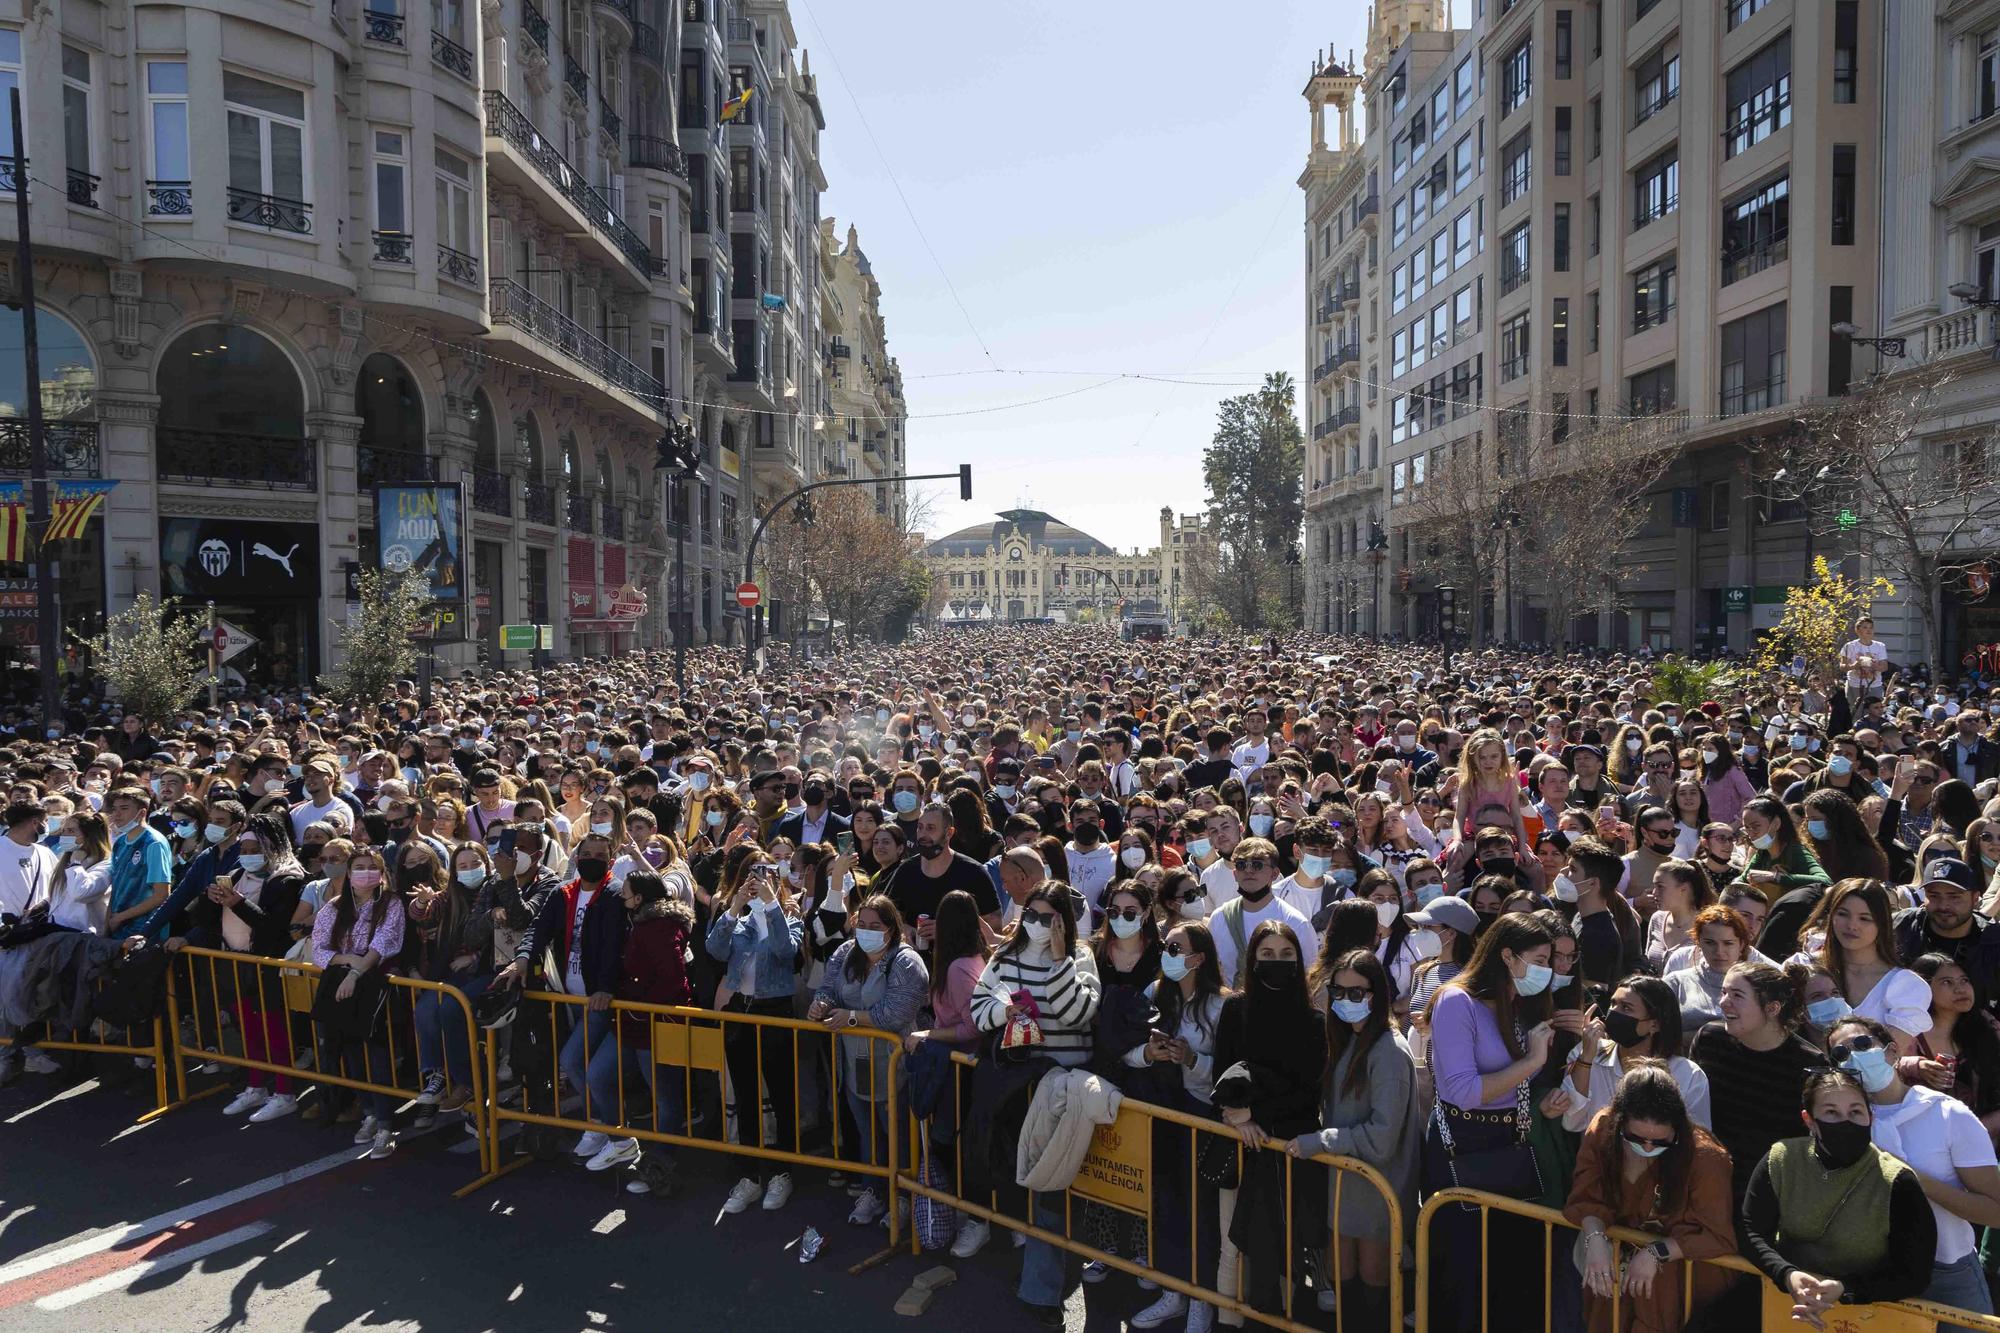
{"x": 271, "y": 555}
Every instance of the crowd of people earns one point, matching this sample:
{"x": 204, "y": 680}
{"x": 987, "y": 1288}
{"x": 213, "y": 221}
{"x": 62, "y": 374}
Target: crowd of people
{"x": 1717, "y": 970}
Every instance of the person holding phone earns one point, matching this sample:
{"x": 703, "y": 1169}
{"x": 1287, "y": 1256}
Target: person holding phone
{"x": 755, "y": 937}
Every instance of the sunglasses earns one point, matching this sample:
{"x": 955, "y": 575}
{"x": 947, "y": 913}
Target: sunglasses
{"x": 1039, "y": 918}
{"x": 1177, "y": 949}
{"x": 1125, "y": 914}
{"x": 1352, "y": 994}
{"x": 1256, "y": 863}
{"x": 1641, "y": 1141}
{"x": 1839, "y": 1051}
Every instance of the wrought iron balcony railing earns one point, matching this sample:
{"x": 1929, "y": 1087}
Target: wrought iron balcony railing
{"x": 492, "y": 492}
{"x": 511, "y": 303}
{"x": 82, "y": 188}
{"x": 538, "y": 503}
{"x": 71, "y": 447}
{"x": 378, "y": 25}
{"x": 447, "y": 54}
{"x": 459, "y": 266}
{"x": 168, "y": 199}
{"x": 270, "y": 210}
{"x": 394, "y": 247}
{"x": 505, "y": 121}
{"x": 272, "y": 462}
{"x": 378, "y": 467}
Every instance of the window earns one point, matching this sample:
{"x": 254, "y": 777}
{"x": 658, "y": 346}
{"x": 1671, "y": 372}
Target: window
{"x": 1596, "y": 314}
{"x": 1758, "y": 97}
{"x": 1563, "y": 42}
{"x": 1461, "y": 85}
{"x": 1558, "y": 417}
{"x": 1753, "y": 361}
{"x": 1461, "y": 307}
{"x": 1440, "y": 111}
{"x": 1420, "y": 199}
{"x": 1419, "y": 137}
{"x": 1461, "y": 163}
{"x": 1515, "y": 255}
{"x": 267, "y": 150}
{"x": 1461, "y": 239}
{"x": 1420, "y": 343}
{"x": 1399, "y": 354}
{"x": 10, "y": 79}
{"x": 1641, "y": 8}
{"x": 1656, "y": 188}
{"x": 392, "y": 197}
{"x": 1651, "y": 392}
{"x": 1989, "y": 75}
{"x": 1399, "y": 223}
{"x": 1986, "y": 255}
{"x": 1560, "y": 238}
{"x": 1755, "y": 231}
{"x": 454, "y": 202}
{"x": 1596, "y": 222}
{"x": 1655, "y": 290}
{"x": 1596, "y": 128}
{"x": 1517, "y": 76}
{"x": 1843, "y": 194}
{"x": 1741, "y": 10}
{"x": 168, "y": 171}
{"x": 1440, "y": 327}
{"x": 1399, "y": 157}
{"x": 1419, "y": 276}
{"x": 1516, "y": 167}
{"x": 1562, "y": 140}
{"x": 1846, "y": 49}
{"x": 1440, "y": 258}
{"x": 1718, "y": 506}
{"x": 1399, "y": 476}
{"x": 1559, "y": 333}
{"x": 77, "y": 138}
{"x": 1399, "y": 289}
{"x": 1839, "y": 347}
{"x": 1655, "y": 83}
{"x": 1514, "y": 348}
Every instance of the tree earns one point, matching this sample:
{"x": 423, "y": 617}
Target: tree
{"x": 1817, "y": 621}
{"x": 152, "y": 658}
{"x": 379, "y": 646}
{"x": 1453, "y": 537}
{"x": 1255, "y": 471}
{"x": 848, "y": 557}
{"x": 1869, "y": 480}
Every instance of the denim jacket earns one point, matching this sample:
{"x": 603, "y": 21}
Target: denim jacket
{"x": 757, "y": 950}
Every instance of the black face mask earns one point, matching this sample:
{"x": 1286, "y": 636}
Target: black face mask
{"x": 592, "y": 869}
{"x": 1840, "y": 1143}
{"x": 1499, "y": 865}
{"x": 791, "y": 791}
{"x": 1275, "y": 973}
{"x": 400, "y": 830}
{"x": 1622, "y": 1028}
{"x": 1088, "y": 834}
{"x": 815, "y": 793}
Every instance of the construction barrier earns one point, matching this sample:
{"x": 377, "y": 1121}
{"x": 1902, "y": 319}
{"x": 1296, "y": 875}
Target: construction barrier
{"x": 1123, "y": 1172}
{"x": 1916, "y": 1316}
{"x": 699, "y": 1047}
{"x": 282, "y": 991}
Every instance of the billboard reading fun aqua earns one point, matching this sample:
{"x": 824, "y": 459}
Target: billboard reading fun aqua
{"x": 417, "y": 527}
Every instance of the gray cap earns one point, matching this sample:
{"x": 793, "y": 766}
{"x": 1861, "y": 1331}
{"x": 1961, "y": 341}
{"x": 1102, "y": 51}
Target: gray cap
{"x": 1454, "y": 913}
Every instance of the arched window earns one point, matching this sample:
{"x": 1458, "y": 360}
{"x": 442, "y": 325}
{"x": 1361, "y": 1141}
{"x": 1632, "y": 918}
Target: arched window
{"x": 572, "y": 459}
{"x": 602, "y": 464}
{"x": 729, "y": 436}
{"x": 69, "y": 395}
{"x": 392, "y": 411}
{"x": 528, "y": 439}
{"x": 225, "y": 379}
{"x": 485, "y": 434}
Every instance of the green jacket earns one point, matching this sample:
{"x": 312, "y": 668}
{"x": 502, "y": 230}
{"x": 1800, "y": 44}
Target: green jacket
{"x": 1796, "y": 869}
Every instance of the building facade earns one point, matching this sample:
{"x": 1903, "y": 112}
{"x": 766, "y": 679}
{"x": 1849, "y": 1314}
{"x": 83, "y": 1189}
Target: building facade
{"x": 864, "y": 383}
{"x": 1029, "y": 565}
{"x": 288, "y": 254}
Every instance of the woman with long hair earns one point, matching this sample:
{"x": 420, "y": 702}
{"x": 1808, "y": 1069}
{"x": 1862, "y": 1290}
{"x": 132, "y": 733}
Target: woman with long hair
{"x": 1643, "y": 1022}
{"x": 1690, "y": 808}
{"x": 757, "y": 958}
{"x": 1127, "y": 948}
{"x": 1628, "y": 743}
{"x": 1860, "y": 954}
{"x": 1754, "y": 1059}
{"x": 1490, "y": 1037}
{"x": 1646, "y": 1165}
{"x": 82, "y": 896}
{"x": 249, "y": 911}
{"x": 1725, "y": 784}
{"x": 362, "y": 931}
{"x": 958, "y": 956}
{"x": 1841, "y": 842}
{"x": 1371, "y": 1113}
{"x": 1135, "y": 853}
{"x": 1780, "y": 861}
{"x": 1964, "y": 1040}
{"x": 1682, "y": 889}
{"x": 971, "y": 831}
{"x": 1396, "y": 945}
{"x": 1722, "y": 940}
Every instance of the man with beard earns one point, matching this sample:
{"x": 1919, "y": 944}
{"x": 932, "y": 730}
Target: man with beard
{"x": 918, "y": 884}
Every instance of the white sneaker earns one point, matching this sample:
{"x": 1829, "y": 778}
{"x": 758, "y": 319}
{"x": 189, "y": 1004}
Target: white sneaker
{"x": 747, "y": 1192}
{"x": 1020, "y": 1239}
{"x": 275, "y": 1107}
{"x": 247, "y": 1100}
{"x": 36, "y": 1061}
{"x": 433, "y": 1089}
{"x": 382, "y": 1144}
{"x": 638, "y": 1185}
{"x": 591, "y": 1144}
{"x": 367, "y": 1130}
{"x": 779, "y": 1190}
{"x": 1327, "y": 1299}
{"x": 1095, "y": 1271}
{"x": 868, "y": 1207}
{"x": 972, "y": 1237}
{"x": 1201, "y": 1317}
{"x": 1147, "y": 1284}
{"x": 1171, "y": 1305}
{"x": 615, "y": 1153}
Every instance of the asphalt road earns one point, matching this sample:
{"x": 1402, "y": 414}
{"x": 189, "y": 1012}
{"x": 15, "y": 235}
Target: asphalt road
{"x": 198, "y": 1222}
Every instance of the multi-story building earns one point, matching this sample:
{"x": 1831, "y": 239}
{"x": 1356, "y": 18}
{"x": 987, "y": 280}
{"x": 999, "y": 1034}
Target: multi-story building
{"x": 865, "y": 383}
{"x": 286, "y": 254}
{"x": 1343, "y": 451}
{"x": 1029, "y": 565}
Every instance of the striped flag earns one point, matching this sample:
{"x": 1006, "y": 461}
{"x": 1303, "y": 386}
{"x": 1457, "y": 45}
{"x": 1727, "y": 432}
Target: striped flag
{"x": 14, "y": 531}
{"x": 736, "y": 105}
{"x": 72, "y": 514}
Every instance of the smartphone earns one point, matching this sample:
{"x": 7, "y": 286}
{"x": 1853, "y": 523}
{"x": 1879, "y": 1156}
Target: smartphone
{"x": 506, "y": 847}
{"x": 843, "y": 842}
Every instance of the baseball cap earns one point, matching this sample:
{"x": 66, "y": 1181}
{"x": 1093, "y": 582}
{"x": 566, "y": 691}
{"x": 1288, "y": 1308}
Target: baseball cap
{"x": 1452, "y": 913}
{"x": 1952, "y": 869}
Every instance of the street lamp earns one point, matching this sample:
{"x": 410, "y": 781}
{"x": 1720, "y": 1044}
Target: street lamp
{"x": 1895, "y": 348}
{"x": 1505, "y": 519}
{"x": 1447, "y": 616}
{"x": 1812, "y": 484}
{"x": 679, "y": 456}
{"x": 1378, "y": 553}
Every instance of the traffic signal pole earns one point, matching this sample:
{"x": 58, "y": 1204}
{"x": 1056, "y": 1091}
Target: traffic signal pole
{"x": 964, "y": 476}
{"x": 41, "y": 564}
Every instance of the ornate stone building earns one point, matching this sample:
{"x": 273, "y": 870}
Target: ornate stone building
{"x": 1029, "y": 565}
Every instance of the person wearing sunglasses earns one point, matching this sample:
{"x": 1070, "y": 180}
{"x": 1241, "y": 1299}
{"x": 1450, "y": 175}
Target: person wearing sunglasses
{"x": 1831, "y": 1218}
{"x": 1943, "y": 1142}
{"x": 1644, "y": 1164}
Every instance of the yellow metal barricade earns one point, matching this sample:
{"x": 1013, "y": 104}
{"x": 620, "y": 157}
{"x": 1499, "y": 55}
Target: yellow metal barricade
{"x": 200, "y": 977}
{"x": 148, "y": 1041}
{"x": 690, "y": 1046}
{"x": 1121, "y": 1171}
{"x": 1917, "y": 1316}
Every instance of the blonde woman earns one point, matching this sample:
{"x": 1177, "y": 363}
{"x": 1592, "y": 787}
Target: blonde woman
{"x": 83, "y": 872}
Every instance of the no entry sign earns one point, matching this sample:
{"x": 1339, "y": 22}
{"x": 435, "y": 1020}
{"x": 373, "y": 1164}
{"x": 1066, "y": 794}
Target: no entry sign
{"x": 748, "y": 595}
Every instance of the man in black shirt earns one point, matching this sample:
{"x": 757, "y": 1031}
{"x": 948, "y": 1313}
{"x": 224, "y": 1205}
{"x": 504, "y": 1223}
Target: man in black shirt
{"x": 1211, "y": 771}
{"x": 1948, "y": 924}
{"x": 918, "y": 884}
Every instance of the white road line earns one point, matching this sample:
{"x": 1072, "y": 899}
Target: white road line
{"x": 101, "y": 1241}
{"x": 125, "y": 1277}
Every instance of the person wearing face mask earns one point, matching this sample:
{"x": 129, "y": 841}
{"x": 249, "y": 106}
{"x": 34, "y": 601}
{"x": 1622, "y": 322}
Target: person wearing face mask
{"x": 83, "y": 873}
{"x": 1254, "y": 903}
{"x": 458, "y": 952}
{"x": 817, "y": 822}
{"x": 141, "y": 866}
{"x": 361, "y": 931}
{"x": 1643, "y": 1022}
{"x": 1489, "y": 1037}
{"x": 921, "y": 881}
{"x": 1830, "y": 1218}
{"x": 1091, "y": 860}
{"x": 1647, "y": 1164}
{"x": 1780, "y": 862}
{"x": 1941, "y": 1139}
{"x": 250, "y": 912}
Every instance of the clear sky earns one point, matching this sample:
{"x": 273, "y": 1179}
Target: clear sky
{"x": 1096, "y": 180}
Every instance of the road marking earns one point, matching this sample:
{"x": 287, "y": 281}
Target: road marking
{"x": 126, "y": 1276}
{"x": 113, "y": 1237}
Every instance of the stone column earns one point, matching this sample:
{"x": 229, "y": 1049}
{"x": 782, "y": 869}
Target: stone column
{"x": 125, "y": 423}
{"x": 338, "y": 434}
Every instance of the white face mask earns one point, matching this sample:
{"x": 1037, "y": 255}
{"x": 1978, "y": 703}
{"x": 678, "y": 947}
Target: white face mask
{"x": 1132, "y": 857}
{"x": 1037, "y": 932}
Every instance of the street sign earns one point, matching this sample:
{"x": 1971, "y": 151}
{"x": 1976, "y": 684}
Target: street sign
{"x": 748, "y": 595}
{"x": 517, "y": 638}
{"x": 1735, "y": 599}
{"x": 231, "y": 640}
{"x": 547, "y": 637}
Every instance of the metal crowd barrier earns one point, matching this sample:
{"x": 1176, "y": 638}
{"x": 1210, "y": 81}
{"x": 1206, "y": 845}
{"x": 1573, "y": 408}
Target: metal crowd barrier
{"x": 98, "y": 1039}
{"x": 279, "y": 985}
{"x": 694, "y": 1043}
{"x": 1120, "y": 1172}
{"x": 1915, "y": 1316}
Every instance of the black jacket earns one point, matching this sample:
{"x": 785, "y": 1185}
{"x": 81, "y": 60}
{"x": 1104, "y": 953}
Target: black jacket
{"x": 793, "y": 827}
{"x": 270, "y": 918}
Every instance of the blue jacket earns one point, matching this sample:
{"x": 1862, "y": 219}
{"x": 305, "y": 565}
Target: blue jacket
{"x": 773, "y": 947}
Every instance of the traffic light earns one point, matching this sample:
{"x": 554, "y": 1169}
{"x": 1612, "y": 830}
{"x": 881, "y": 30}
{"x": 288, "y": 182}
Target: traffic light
{"x": 965, "y": 481}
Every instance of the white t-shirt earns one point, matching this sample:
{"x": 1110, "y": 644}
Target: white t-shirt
{"x": 304, "y": 815}
{"x": 1274, "y": 909}
{"x": 1853, "y": 651}
{"x": 1305, "y": 900}
{"x": 1939, "y": 1136}
{"x": 573, "y": 973}
{"x": 1250, "y": 756}
{"x": 24, "y": 875}
{"x": 1219, "y": 882}
{"x": 1090, "y": 871}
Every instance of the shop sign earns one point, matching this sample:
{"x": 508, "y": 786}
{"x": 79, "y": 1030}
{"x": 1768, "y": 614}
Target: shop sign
{"x": 234, "y": 560}
{"x": 417, "y": 527}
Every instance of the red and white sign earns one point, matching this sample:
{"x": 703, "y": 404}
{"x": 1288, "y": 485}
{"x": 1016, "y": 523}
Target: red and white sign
{"x": 231, "y": 640}
{"x": 748, "y": 595}
{"x": 628, "y": 603}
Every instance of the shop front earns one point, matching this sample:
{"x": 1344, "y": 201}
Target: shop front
{"x": 264, "y": 579}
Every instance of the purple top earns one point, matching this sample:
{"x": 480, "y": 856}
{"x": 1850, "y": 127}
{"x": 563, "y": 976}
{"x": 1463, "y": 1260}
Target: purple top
{"x": 362, "y": 935}
{"x": 1466, "y": 1046}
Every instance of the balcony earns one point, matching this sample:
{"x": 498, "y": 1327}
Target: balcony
{"x": 378, "y": 25}
{"x": 270, "y": 211}
{"x": 649, "y": 152}
{"x": 548, "y": 168}
{"x": 538, "y": 503}
{"x": 1654, "y": 105}
{"x": 1346, "y": 416}
{"x": 575, "y": 77}
{"x": 1958, "y": 334}
{"x": 1322, "y": 429}
{"x": 614, "y": 523}
{"x": 390, "y": 467}
{"x": 1322, "y": 370}
{"x": 83, "y": 188}
{"x": 492, "y": 493}
{"x": 536, "y": 24}
{"x": 164, "y": 199}
{"x": 646, "y": 42}
{"x": 622, "y": 8}
{"x": 512, "y": 304}
{"x": 449, "y": 55}
{"x": 579, "y": 513}
{"x": 609, "y": 120}
{"x": 1773, "y": 248}
{"x": 269, "y": 462}
{"x": 1368, "y": 212}
{"x": 70, "y": 447}
{"x": 394, "y": 247}
{"x": 1348, "y": 291}
{"x": 1324, "y": 315}
{"x": 1347, "y": 355}
{"x": 458, "y": 266}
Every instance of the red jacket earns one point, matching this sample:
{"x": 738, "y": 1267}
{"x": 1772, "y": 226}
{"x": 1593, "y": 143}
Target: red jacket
{"x": 653, "y": 967}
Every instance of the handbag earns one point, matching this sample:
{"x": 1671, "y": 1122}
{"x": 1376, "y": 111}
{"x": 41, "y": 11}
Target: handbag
{"x": 1508, "y": 1169}
{"x": 356, "y": 1017}
{"x": 936, "y": 1222}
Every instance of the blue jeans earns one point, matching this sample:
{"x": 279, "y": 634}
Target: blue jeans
{"x": 1044, "y": 1267}
{"x": 871, "y": 1139}
{"x": 608, "y": 1066}
{"x": 1961, "y": 1284}
{"x": 440, "y": 1022}
{"x": 578, "y": 1047}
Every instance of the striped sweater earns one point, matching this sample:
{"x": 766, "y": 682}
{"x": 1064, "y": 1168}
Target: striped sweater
{"x": 1066, "y": 992}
